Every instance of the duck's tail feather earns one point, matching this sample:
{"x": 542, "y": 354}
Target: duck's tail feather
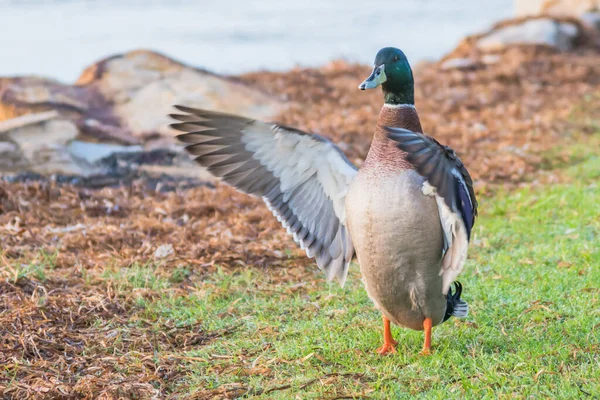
{"x": 461, "y": 309}
{"x": 456, "y": 307}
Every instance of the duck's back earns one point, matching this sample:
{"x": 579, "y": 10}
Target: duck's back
{"x": 396, "y": 231}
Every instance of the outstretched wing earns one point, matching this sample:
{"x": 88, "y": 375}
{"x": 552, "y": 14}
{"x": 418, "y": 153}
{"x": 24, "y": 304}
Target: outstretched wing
{"x": 449, "y": 181}
{"x": 302, "y": 178}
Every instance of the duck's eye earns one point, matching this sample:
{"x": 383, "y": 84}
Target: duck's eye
{"x": 395, "y": 58}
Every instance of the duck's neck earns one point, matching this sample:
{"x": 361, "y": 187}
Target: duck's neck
{"x": 398, "y": 116}
{"x": 383, "y": 152}
{"x": 404, "y": 94}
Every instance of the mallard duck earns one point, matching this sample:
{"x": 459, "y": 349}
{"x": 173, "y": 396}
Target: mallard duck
{"x": 407, "y": 213}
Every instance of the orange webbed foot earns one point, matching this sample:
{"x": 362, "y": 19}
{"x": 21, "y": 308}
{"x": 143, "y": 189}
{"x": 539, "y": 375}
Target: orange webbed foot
{"x": 388, "y": 340}
{"x": 387, "y": 348}
{"x": 425, "y": 352}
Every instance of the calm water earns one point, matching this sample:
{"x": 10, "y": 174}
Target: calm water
{"x": 59, "y": 38}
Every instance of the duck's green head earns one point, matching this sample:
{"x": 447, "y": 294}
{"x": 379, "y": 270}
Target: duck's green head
{"x": 393, "y": 73}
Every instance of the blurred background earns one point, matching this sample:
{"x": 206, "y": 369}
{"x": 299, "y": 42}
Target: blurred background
{"x": 86, "y": 86}
{"x": 59, "y": 38}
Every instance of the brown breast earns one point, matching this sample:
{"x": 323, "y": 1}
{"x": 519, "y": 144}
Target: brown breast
{"x": 383, "y": 154}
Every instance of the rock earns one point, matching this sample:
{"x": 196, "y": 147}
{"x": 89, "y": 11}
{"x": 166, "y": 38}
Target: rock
{"x": 36, "y": 137}
{"x": 7, "y": 148}
{"x": 47, "y": 144}
{"x": 591, "y": 19}
{"x": 126, "y": 98}
{"x": 469, "y": 63}
{"x": 490, "y": 59}
{"x": 559, "y": 8}
{"x": 143, "y": 86}
{"x": 94, "y": 152}
{"x": 570, "y": 31}
{"x": 542, "y": 31}
{"x": 10, "y": 156}
{"x": 41, "y": 146}
{"x": 26, "y": 119}
{"x": 118, "y": 105}
{"x": 164, "y": 251}
{"x": 458, "y": 63}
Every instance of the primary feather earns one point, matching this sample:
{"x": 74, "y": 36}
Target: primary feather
{"x": 302, "y": 178}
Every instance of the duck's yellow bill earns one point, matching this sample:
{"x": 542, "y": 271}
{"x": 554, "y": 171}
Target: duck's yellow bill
{"x": 376, "y": 78}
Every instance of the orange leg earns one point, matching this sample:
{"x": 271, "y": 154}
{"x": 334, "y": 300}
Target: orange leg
{"x": 388, "y": 340}
{"x": 427, "y": 325}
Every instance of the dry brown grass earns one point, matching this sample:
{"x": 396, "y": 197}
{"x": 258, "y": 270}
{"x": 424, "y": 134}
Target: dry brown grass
{"x": 69, "y": 322}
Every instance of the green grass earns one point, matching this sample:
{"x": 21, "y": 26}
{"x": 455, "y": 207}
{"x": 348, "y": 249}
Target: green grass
{"x": 37, "y": 268}
{"x": 136, "y": 276}
{"x": 532, "y": 281}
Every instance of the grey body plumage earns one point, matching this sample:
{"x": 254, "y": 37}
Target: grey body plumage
{"x": 398, "y": 240}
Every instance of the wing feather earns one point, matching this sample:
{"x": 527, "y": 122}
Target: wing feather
{"x": 453, "y": 190}
{"x": 302, "y": 178}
